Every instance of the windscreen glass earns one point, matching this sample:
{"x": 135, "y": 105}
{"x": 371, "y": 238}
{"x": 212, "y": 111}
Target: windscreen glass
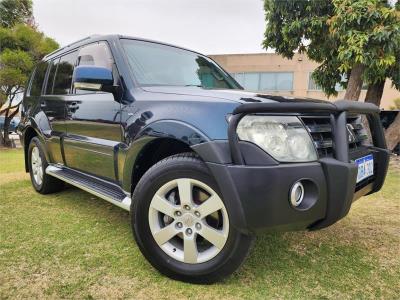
{"x": 160, "y": 65}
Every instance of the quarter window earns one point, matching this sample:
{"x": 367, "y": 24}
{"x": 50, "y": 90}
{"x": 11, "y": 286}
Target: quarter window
{"x": 38, "y": 78}
{"x": 52, "y": 73}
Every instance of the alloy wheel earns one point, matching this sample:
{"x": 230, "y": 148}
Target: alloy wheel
{"x": 37, "y": 166}
{"x": 188, "y": 220}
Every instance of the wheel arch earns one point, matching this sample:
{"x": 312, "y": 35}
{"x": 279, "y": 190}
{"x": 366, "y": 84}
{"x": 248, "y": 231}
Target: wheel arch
{"x": 28, "y": 134}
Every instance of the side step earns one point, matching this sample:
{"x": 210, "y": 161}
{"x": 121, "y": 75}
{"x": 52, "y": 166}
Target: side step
{"x": 100, "y": 188}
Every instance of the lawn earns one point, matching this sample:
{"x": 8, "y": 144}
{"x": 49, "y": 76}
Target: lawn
{"x": 74, "y": 245}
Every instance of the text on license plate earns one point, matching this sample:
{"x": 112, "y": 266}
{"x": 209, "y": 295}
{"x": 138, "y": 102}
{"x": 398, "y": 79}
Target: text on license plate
{"x": 365, "y": 167}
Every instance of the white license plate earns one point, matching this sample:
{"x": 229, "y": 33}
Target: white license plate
{"x": 365, "y": 167}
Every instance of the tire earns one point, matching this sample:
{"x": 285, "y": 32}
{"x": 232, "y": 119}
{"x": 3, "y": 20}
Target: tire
{"x": 216, "y": 259}
{"x": 41, "y": 182}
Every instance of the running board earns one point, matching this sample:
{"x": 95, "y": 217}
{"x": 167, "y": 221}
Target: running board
{"x": 100, "y": 188}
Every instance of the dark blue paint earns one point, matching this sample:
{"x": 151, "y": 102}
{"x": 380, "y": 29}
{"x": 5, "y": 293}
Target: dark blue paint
{"x": 122, "y": 123}
{"x": 93, "y": 74}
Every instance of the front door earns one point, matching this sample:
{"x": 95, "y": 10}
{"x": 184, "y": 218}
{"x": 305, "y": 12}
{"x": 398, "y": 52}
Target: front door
{"x": 93, "y": 121}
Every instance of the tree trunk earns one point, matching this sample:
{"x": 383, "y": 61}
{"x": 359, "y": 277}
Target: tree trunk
{"x": 355, "y": 82}
{"x": 1, "y": 139}
{"x": 392, "y": 134}
{"x": 374, "y": 93}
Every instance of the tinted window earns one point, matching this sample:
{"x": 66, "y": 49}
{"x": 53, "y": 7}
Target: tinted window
{"x": 38, "y": 78}
{"x": 50, "y": 81}
{"x": 156, "y": 64}
{"x": 98, "y": 55}
{"x": 63, "y": 78}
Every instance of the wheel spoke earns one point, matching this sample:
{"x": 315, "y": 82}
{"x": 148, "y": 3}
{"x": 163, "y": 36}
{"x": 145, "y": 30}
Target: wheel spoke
{"x": 209, "y": 206}
{"x": 188, "y": 221}
{"x": 214, "y": 236}
{"x": 163, "y": 205}
{"x": 165, "y": 234}
{"x": 190, "y": 249}
{"x": 185, "y": 191}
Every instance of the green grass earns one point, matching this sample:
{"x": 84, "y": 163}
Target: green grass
{"x": 74, "y": 245}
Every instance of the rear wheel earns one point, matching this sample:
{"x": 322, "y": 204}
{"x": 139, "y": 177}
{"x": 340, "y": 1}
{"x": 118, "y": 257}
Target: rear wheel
{"x": 182, "y": 224}
{"x": 42, "y": 182}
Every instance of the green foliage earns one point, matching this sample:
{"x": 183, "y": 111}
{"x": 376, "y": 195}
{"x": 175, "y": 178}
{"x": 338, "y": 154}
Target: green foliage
{"x": 14, "y": 67}
{"x": 368, "y": 32}
{"x": 15, "y": 11}
{"x": 22, "y": 46}
{"x": 337, "y": 34}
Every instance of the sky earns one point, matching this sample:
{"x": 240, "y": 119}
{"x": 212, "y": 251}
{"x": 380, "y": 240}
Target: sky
{"x": 206, "y": 26}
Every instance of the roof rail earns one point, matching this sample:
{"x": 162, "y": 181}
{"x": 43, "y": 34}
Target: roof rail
{"x": 69, "y": 45}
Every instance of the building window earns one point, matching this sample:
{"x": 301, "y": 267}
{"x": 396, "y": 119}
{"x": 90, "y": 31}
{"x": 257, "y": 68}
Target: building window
{"x": 265, "y": 81}
{"x": 312, "y": 86}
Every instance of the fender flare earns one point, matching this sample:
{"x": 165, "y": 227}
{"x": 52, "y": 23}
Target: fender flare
{"x": 210, "y": 152}
{"x": 32, "y": 124}
{"x": 162, "y": 129}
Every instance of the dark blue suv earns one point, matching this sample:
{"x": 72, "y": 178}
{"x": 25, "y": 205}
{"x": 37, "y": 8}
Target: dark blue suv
{"x": 201, "y": 164}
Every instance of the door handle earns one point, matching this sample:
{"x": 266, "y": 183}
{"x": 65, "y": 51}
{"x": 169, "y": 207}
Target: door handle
{"x": 42, "y": 104}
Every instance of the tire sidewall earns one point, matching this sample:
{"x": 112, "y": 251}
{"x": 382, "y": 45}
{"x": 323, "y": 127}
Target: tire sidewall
{"x": 147, "y": 187}
{"x": 36, "y": 143}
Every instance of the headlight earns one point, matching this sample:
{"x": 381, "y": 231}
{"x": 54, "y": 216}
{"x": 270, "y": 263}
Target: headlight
{"x": 283, "y": 137}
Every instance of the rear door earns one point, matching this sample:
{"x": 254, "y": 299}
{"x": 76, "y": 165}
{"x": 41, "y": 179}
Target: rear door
{"x": 53, "y": 100}
{"x": 93, "y": 121}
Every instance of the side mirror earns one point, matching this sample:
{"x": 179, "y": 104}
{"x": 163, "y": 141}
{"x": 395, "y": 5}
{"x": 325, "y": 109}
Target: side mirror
{"x": 92, "y": 78}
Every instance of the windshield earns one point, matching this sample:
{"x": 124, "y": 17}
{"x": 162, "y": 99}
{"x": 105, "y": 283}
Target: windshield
{"x": 154, "y": 64}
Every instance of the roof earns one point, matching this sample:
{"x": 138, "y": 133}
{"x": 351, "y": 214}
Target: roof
{"x": 97, "y": 37}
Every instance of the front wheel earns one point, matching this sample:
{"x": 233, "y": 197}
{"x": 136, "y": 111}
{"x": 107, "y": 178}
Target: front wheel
{"x": 182, "y": 225}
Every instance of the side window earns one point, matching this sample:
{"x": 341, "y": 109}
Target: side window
{"x": 97, "y": 54}
{"x": 52, "y": 73}
{"x": 63, "y": 77}
{"x": 38, "y": 78}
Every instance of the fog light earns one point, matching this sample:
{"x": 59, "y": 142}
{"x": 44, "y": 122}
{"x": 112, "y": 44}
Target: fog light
{"x": 297, "y": 194}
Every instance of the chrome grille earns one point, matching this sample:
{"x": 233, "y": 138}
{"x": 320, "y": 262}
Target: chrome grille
{"x": 320, "y": 129}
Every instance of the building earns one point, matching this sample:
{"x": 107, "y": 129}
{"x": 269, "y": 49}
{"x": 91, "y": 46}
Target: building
{"x": 271, "y": 73}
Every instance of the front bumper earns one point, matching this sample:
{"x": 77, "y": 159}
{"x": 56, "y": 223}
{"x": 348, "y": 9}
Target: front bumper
{"x": 258, "y": 193}
{"x": 262, "y": 192}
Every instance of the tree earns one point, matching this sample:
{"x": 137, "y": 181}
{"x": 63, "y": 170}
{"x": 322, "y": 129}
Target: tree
{"x": 14, "y": 67}
{"x": 356, "y": 38}
{"x": 21, "y": 46}
{"x": 13, "y": 12}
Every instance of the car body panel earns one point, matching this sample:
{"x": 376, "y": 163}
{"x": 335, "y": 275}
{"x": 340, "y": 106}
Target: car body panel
{"x": 105, "y": 135}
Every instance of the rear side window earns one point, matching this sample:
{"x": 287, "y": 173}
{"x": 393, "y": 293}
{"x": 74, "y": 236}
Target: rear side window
{"x": 52, "y": 73}
{"x": 38, "y": 78}
{"x": 63, "y": 74}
